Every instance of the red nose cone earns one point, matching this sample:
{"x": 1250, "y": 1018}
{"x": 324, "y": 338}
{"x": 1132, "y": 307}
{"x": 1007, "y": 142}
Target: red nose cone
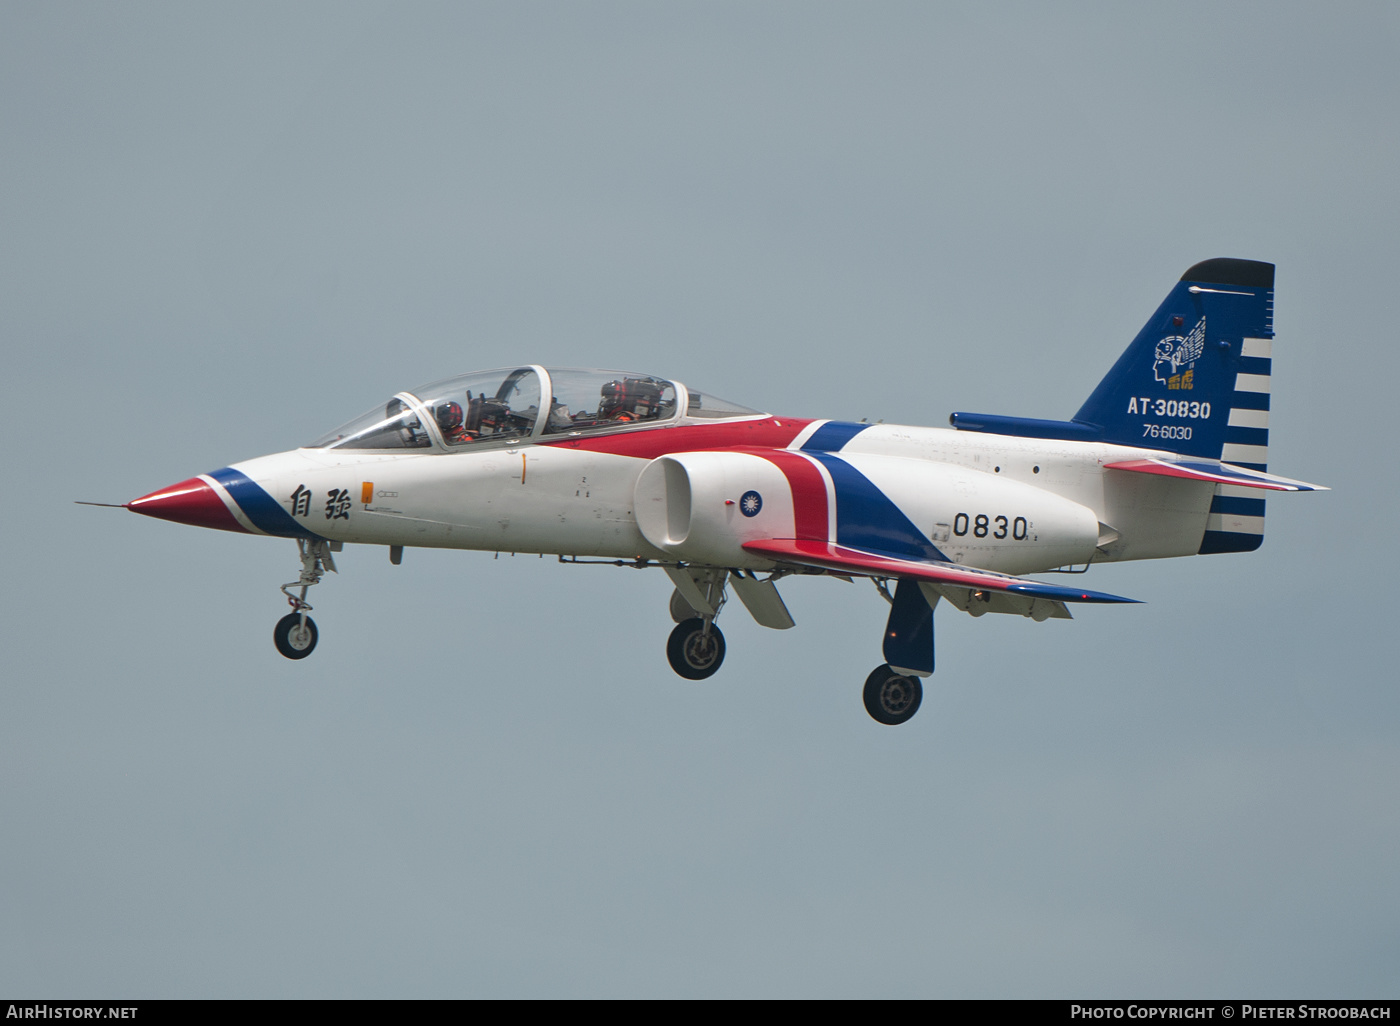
{"x": 189, "y": 502}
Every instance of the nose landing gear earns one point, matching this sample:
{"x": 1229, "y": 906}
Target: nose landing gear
{"x": 295, "y": 634}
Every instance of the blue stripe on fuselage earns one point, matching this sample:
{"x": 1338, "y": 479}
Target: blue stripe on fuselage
{"x": 832, "y": 435}
{"x": 262, "y": 509}
{"x": 867, "y": 519}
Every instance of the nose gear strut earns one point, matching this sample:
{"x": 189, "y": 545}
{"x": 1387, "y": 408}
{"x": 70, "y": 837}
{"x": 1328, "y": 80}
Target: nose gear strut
{"x": 295, "y": 634}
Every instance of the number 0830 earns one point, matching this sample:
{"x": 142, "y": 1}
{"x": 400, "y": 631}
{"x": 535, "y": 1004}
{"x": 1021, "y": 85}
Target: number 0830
{"x": 983, "y": 526}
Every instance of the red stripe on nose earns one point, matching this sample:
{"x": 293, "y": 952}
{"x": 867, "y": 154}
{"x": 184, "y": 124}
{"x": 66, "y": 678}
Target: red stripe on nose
{"x": 189, "y": 502}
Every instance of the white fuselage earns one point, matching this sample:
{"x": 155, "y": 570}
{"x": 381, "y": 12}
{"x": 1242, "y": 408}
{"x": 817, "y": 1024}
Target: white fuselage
{"x": 996, "y": 502}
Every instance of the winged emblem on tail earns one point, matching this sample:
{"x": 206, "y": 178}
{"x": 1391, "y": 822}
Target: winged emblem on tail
{"x": 1176, "y": 351}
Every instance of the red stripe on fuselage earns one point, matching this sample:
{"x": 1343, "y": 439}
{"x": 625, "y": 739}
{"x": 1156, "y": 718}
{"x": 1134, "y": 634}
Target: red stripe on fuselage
{"x": 767, "y": 438}
{"x": 777, "y": 432}
{"x": 811, "y": 520}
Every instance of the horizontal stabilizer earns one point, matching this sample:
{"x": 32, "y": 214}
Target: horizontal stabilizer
{"x": 1197, "y": 469}
{"x": 844, "y": 559}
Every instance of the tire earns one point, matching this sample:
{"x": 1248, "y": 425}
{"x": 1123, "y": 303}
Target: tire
{"x": 694, "y": 654}
{"x": 290, "y": 640}
{"x": 892, "y": 698}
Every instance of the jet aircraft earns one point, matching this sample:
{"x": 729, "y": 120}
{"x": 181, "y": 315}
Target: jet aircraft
{"x": 1167, "y": 457}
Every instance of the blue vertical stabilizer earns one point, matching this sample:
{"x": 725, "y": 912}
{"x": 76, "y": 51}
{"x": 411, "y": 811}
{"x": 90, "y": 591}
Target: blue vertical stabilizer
{"x": 1195, "y": 381}
{"x": 1176, "y": 386}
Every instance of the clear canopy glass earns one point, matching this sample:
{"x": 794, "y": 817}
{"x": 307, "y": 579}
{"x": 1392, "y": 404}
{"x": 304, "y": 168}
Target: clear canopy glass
{"x": 707, "y": 407}
{"x": 395, "y": 425}
{"x": 591, "y": 400}
{"x": 487, "y": 406}
{"x": 503, "y": 405}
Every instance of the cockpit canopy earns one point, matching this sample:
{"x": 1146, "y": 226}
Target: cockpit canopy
{"x": 505, "y": 406}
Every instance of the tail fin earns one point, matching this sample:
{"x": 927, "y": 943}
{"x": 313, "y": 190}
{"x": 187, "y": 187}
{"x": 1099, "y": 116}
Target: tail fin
{"x": 1196, "y": 379}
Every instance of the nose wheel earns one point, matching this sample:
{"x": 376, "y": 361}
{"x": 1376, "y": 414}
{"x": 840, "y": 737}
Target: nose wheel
{"x": 890, "y": 697}
{"x": 695, "y": 648}
{"x": 295, "y": 635}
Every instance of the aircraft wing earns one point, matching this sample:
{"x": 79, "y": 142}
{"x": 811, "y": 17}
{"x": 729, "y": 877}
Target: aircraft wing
{"x": 844, "y": 559}
{"x": 1198, "y": 469}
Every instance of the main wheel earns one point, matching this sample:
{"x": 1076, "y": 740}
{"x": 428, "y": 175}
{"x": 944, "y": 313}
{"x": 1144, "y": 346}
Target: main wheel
{"x": 890, "y": 697}
{"x": 293, "y": 640}
{"x": 694, "y": 653}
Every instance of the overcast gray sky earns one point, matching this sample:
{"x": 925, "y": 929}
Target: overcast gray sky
{"x": 225, "y": 229}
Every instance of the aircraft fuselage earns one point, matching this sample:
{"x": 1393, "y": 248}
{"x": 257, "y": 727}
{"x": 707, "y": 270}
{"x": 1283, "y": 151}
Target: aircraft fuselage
{"x": 999, "y": 503}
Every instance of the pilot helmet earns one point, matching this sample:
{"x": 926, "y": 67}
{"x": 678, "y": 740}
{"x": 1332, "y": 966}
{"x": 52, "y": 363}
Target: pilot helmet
{"x": 613, "y": 399}
{"x": 449, "y": 416}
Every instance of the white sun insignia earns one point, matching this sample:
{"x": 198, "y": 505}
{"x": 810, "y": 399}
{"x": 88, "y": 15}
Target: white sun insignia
{"x": 750, "y": 503}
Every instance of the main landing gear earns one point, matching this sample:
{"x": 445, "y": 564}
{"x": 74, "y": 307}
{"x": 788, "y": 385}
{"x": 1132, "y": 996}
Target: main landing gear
{"x": 295, "y": 634}
{"x": 695, "y": 648}
{"x": 893, "y": 690}
{"x": 891, "y": 697}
